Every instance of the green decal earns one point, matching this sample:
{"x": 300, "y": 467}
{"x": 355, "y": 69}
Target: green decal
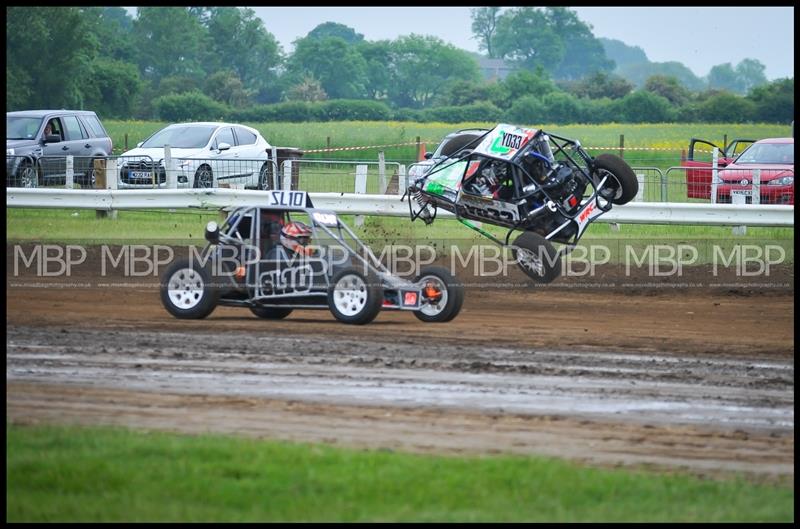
{"x": 496, "y": 147}
{"x": 434, "y": 188}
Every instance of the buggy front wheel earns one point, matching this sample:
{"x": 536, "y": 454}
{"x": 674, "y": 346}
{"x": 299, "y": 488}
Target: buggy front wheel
{"x": 354, "y": 297}
{"x": 621, "y": 184}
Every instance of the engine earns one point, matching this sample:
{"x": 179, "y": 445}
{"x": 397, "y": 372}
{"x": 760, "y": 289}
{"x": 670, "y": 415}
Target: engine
{"x": 565, "y": 185}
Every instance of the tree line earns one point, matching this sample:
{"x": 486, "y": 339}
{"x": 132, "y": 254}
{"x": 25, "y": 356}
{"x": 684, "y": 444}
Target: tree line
{"x": 184, "y": 63}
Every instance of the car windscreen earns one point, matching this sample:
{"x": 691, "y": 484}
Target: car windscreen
{"x": 22, "y": 128}
{"x": 777, "y": 153}
{"x": 181, "y": 137}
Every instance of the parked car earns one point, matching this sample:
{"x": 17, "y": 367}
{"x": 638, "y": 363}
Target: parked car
{"x": 34, "y": 159}
{"x": 205, "y": 153}
{"x": 698, "y": 163}
{"x": 775, "y": 159}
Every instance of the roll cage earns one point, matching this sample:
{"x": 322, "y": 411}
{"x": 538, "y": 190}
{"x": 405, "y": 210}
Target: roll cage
{"x": 530, "y": 197}
{"x": 256, "y": 231}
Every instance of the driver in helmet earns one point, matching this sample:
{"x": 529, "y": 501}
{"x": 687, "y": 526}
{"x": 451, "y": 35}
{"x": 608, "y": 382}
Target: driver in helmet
{"x": 295, "y": 240}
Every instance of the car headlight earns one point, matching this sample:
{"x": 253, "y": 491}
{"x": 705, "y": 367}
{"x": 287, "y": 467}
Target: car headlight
{"x": 9, "y": 152}
{"x": 782, "y": 181}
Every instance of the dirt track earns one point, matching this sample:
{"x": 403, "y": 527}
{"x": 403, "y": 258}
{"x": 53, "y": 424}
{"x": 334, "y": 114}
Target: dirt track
{"x": 676, "y": 378}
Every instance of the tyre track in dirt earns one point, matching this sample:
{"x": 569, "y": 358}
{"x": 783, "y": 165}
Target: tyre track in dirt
{"x": 674, "y": 379}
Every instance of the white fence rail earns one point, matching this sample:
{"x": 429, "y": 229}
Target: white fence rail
{"x": 381, "y": 205}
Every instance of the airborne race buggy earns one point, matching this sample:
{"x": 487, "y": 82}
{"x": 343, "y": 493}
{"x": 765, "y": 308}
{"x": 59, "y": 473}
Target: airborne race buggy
{"x": 524, "y": 180}
{"x": 241, "y": 267}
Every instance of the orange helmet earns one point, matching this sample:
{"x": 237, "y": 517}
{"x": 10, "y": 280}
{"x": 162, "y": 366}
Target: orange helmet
{"x": 295, "y": 236}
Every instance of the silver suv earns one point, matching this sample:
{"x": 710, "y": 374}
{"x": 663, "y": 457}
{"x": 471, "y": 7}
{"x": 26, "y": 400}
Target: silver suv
{"x": 38, "y": 142}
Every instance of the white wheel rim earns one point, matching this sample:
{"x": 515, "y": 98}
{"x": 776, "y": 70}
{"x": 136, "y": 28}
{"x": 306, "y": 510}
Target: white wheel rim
{"x": 350, "y": 295}
{"x": 529, "y": 261}
{"x": 611, "y": 193}
{"x": 432, "y": 309}
{"x": 185, "y": 288}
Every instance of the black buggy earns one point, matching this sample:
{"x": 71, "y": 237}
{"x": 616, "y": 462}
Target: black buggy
{"x": 525, "y": 180}
{"x": 240, "y": 267}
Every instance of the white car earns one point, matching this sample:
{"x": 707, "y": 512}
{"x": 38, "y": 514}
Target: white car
{"x": 205, "y": 154}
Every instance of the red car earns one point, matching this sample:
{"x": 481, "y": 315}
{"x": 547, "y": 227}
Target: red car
{"x": 698, "y": 164}
{"x": 775, "y": 158}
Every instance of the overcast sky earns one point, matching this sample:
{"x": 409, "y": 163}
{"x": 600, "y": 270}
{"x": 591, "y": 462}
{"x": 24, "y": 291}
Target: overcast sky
{"x": 699, "y": 37}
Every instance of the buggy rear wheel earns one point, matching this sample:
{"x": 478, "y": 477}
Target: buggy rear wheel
{"x": 442, "y": 293}
{"x": 354, "y": 297}
{"x": 187, "y": 292}
{"x": 537, "y": 257}
{"x": 621, "y": 186}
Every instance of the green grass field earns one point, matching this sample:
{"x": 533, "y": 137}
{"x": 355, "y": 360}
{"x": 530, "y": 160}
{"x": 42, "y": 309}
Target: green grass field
{"x": 67, "y": 474}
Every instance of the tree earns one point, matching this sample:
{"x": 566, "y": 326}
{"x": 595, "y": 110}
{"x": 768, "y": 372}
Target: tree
{"x": 112, "y": 29}
{"x": 309, "y": 89}
{"x": 723, "y": 77}
{"x": 639, "y": 73}
{"x": 377, "y": 56}
{"x": 583, "y": 53}
{"x": 484, "y": 27}
{"x": 622, "y": 54}
{"x": 112, "y": 88}
{"x": 527, "y": 110}
{"x": 561, "y": 107}
{"x": 522, "y": 83}
{"x": 226, "y": 87}
{"x": 49, "y": 52}
{"x": 467, "y": 92}
{"x": 239, "y": 41}
{"x": 601, "y": 85}
{"x": 644, "y": 107}
{"x": 668, "y": 87}
{"x": 774, "y": 102}
{"x": 751, "y": 74}
{"x": 422, "y": 67}
{"x": 725, "y": 107}
{"x": 334, "y": 29}
{"x": 524, "y": 37}
{"x": 169, "y": 41}
{"x": 339, "y": 67}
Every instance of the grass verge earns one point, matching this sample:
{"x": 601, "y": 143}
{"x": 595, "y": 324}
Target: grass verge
{"x": 110, "y": 474}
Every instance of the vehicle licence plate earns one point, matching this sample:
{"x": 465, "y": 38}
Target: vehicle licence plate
{"x": 742, "y": 192}
{"x": 140, "y": 174}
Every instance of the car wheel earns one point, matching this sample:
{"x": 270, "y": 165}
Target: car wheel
{"x": 270, "y": 313}
{"x": 621, "y": 186}
{"x": 354, "y": 297}
{"x": 537, "y": 257}
{"x": 203, "y": 178}
{"x": 89, "y": 178}
{"x": 265, "y": 177}
{"x": 187, "y": 291}
{"x": 27, "y": 175}
{"x": 443, "y": 295}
